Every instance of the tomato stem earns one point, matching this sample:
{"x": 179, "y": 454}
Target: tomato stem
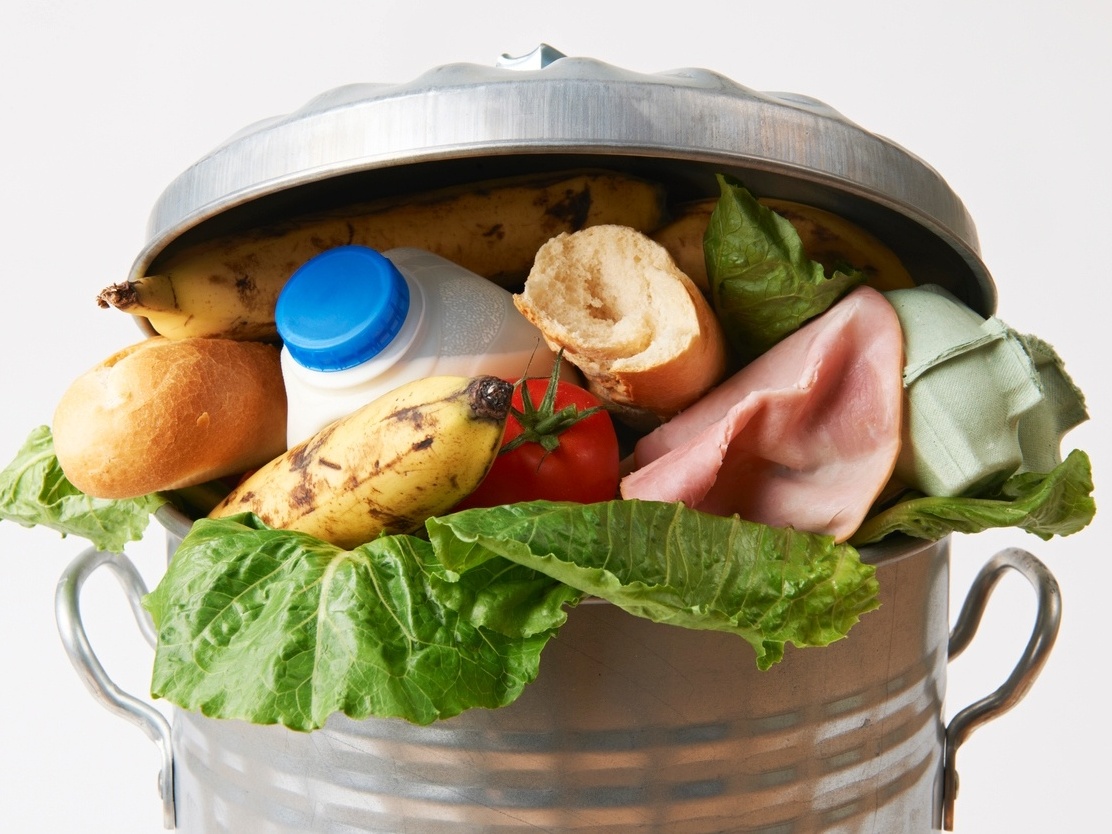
{"x": 541, "y": 424}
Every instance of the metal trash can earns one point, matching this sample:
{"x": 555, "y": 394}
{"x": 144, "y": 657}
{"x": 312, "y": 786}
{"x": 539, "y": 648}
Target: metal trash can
{"x": 631, "y": 726}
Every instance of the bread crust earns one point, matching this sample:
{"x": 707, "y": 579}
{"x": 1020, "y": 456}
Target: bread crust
{"x": 164, "y": 414}
{"x": 640, "y": 331}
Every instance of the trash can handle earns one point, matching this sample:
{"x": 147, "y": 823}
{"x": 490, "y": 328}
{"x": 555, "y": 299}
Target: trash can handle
{"x": 1045, "y": 631}
{"x": 67, "y": 613}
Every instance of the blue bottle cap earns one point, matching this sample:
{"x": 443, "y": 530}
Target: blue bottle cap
{"x": 341, "y": 308}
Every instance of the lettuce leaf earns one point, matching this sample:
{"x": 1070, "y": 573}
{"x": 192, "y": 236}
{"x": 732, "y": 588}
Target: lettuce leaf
{"x": 272, "y": 626}
{"x": 35, "y": 492}
{"x": 1056, "y": 503}
{"x": 763, "y": 285}
{"x": 679, "y": 566}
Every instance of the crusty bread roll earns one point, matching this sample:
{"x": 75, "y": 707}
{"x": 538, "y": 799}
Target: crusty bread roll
{"x": 641, "y": 332}
{"x": 164, "y": 414}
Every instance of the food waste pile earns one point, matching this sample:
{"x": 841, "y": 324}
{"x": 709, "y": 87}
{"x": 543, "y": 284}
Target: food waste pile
{"x": 722, "y": 402}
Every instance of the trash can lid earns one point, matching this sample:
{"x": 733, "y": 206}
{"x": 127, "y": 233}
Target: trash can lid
{"x": 461, "y": 123}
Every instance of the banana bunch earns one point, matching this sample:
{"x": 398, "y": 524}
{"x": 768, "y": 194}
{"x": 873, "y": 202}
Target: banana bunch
{"x": 227, "y": 287}
{"x": 827, "y": 238}
{"x": 411, "y": 454}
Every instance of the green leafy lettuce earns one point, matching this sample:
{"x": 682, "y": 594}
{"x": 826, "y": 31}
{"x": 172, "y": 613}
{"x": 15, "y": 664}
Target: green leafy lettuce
{"x": 1057, "y": 503}
{"x": 673, "y": 565}
{"x": 763, "y": 285}
{"x": 274, "y": 626}
{"x": 35, "y": 492}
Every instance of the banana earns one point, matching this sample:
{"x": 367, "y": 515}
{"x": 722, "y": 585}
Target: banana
{"x": 831, "y": 240}
{"x": 827, "y": 238}
{"x": 227, "y": 287}
{"x": 408, "y": 455}
{"x": 683, "y": 238}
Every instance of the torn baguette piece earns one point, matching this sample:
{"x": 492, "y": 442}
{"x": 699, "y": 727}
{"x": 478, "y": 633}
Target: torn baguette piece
{"x": 635, "y": 325}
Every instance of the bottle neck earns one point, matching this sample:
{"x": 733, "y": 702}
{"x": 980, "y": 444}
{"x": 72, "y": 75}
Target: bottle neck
{"x": 410, "y": 333}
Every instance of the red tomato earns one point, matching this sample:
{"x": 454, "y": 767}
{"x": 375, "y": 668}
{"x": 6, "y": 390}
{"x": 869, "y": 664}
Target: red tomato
{"x": 581, "y": 464}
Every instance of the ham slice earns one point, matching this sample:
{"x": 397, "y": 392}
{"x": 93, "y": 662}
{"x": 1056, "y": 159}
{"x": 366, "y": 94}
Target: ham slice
{"x": 805, "y": 436}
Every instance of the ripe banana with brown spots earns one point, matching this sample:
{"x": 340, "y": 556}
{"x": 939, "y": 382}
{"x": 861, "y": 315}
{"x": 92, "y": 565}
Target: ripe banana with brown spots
{"x": 826, "y": 237}
{"x": 228, "y": 287}
{"x": 413, "y": 453}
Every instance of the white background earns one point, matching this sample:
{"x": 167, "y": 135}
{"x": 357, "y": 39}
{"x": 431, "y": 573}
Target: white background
{"x": 105, "y": 103}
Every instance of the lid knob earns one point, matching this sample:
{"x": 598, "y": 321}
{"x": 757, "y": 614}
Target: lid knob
{"x": 341, "y": 308}
{"x": 539, "y": 58}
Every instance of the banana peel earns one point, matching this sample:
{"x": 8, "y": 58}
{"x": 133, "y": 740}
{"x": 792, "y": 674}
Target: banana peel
{"x": 412, "y": 453}
{"x": 228, "y": 287}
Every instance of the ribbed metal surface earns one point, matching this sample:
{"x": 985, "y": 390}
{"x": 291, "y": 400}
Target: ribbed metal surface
{"x": 459, "y": 123}
{"x": 631, "y": 727}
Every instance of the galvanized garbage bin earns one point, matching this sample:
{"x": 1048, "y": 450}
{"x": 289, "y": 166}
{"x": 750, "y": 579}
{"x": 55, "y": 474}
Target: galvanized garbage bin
{"x": 631, "y": 726}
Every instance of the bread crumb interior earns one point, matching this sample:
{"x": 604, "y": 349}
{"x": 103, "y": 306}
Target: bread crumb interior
{"x": 612, "y": 296}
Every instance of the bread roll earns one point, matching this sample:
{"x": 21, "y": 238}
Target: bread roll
{"x": 164, "y": 414}
{"x": 643, "y": 335}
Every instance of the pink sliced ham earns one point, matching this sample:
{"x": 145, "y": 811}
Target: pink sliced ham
{"x": 805, "y": 436}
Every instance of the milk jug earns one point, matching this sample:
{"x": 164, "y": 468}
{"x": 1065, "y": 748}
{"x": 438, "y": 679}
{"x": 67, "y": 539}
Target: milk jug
{"x": 356, "y": 323}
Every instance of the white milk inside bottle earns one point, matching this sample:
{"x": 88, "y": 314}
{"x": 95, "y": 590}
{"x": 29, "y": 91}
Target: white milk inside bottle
{"x": 356, "y": 323}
